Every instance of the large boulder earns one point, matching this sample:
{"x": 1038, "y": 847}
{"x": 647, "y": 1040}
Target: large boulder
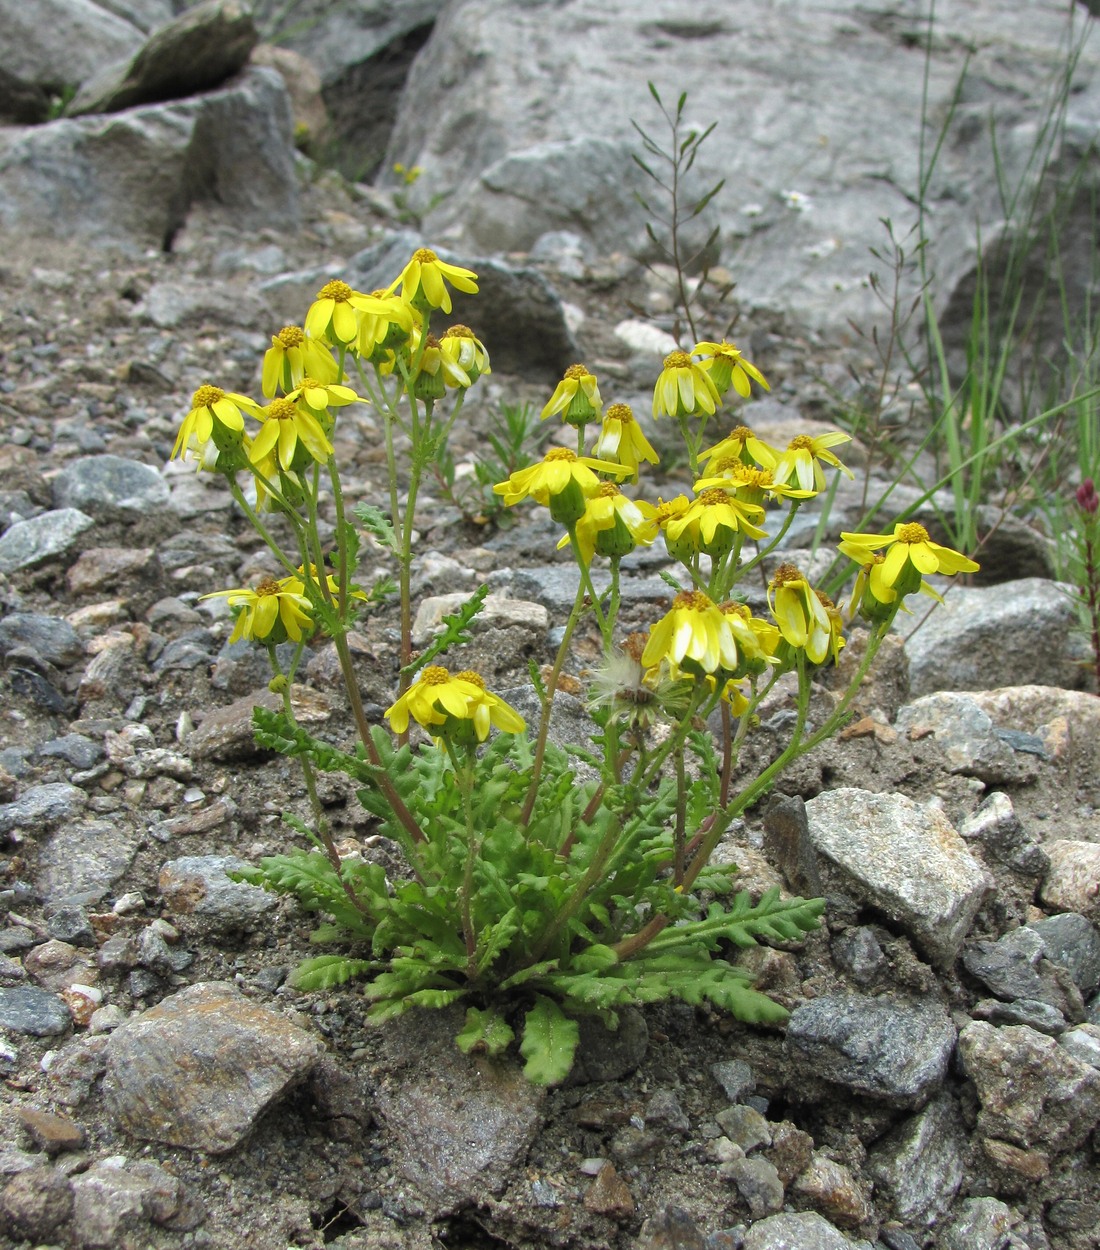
{"x": 520, "y": 115}
{"x": 50, "y": 46}
{"x": 200, "y": 50}
{"x": 131, "y": 178}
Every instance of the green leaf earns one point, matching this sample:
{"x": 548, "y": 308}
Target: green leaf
{"x": 486, "y": 1031}
{"x": 326, "y": 971}
{"x": 455, "y": 631}
{"x": 549, "y": 1043}
{"x": 378, "y": 525}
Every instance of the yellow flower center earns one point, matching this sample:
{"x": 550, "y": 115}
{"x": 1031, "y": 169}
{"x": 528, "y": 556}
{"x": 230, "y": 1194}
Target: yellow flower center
{"x": 714, "y": 496}
{"x": 459, "y": 332}
{"x": 740, "y": 434}
{"x": 337, "y": 290}
{"x": 309, "y": 384}
{"x": 748, "y": 476}
{"x": 435, "y": 675}
{"x": 560, "y": 453}
{"x": 692, "y": 600}
{"x": 620, "y": 412}
{"x": 473, "y": 678}
{"x": 912, "y": 533}
{"x": 607, "y": 490}
{"x": 728, "y": 349}
{"x": 785, "y": 574}
{"x": 431, "y": 343}
{"x": 667, "y": 511}
{"x": 281, "y": 410}
{"x": 206, "y": 395}
{"x": 732, "y": 608}
{"x": 678, "y": 360}
{"x": 801, "y": 442}
{"x": 825, "y": 601}
{"x": 269, "y": 586}
{"x": 291, "y": 336}
{"x": 425, "y": 256}
{"x": 575, "y": 373}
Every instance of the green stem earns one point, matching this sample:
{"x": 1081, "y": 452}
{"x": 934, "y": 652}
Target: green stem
{"x": 465, "y": 780}
{"x": 547, "y": 706}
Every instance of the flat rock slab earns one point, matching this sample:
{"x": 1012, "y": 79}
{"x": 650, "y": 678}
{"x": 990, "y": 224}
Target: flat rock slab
{"x": 27, "y": 543}
{"x": 904, "y": 859}
{"x": 460, "y": 1121}
{"x": 201, "y": 1067}
{"x": 893, "y": 1051}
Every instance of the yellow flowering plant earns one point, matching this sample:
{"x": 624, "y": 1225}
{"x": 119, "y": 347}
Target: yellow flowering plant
{"x": 529, "y": 895}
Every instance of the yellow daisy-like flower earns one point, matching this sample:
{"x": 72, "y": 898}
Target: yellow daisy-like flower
{"x": 333, "y": 314}
{"x": 576, "y": 397}
{"x": 423, "y": 280}
{"x": 756, "y": 639}
{"x": 385, "y": 321}
{"x": 910, "y": 554}
{"x": 466, "y": 350}
{"x": 684, "y": 388}
{"x": 801, "y": 616}
{"x": 802, "y": 459}
{"x": 292, "y": 356}
{"x": 725, "y": 365}
{"x": 438, "y": 370}
{"x": 561, "y": 480}
{"x": 712, "y": 522}
{"x": 286, "y": 425}
{"x": 612, "y": 525}
{"x": 742, "y": 444}
{"x": 750, "y": 483}
{"x": 215, "y": 414}
{"x": 273, "y": 612}
{"x": 320, "y": 396}
{"x": 621, "y": 439}
{"x": 694, "y": 636}
{"x": 437, "y": 697}
{"x": 836, "y": 625}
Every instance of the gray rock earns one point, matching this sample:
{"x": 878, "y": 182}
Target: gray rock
{"x": 496, "y": 611}
{"x": 131, "y": 178}
{"x": 27, "y": 543}
{"x": 42, "y": 806}
{"x": 1024, "y": 627}
{"x": 663, "y": 1111}
{"x": 859, "y": 954}
{"x": 115, "y": 1199}
{"x": 110, "y": 487}
{"x": 459, "y": 1121}
{"x": 671, "y": 1229}
{"x": 183, "y": 301}
{"x": 1071, "y": 881}
{"x": 203, "y": 48}
{"x": 1015, "y": 967}
{"x": 744, "y": 1126}
{"x": 1083, "y": 1043}
{"x": 1036, "y": 1015}
{"x": 49, "y": 637}
{"x": 75, "y": 749}
{"x": 891, "y": 1051}
{"x": 919, "y": 1167}
{"x": 83, "y": 860}
{"x": 1071, "y": 942}
{"x": 979, "y": 1224}
{"x": 53, "y": 44}
{"x": 198, "y": 885}
{"x": 69, "y": 923}
{"x": 200, "y": 1068}
{"x": 787, "y": 844}
{"x": 228, "y": 732}
{"x": 807, "y": 1230}
{"x": 1031, "y": 1091}
{"x": 33, "y": 1011}
{"x": 605, "y": 1054}
{"x": 474, "y": 114}
{"x": 966, "y": 735}
{"x": 735, "y": 1077}
{"x": 758, "y": 1184}
{"x": 35, "y": 1203}
{"x": 1003, "y": 838}
{"x": 903, "y": 859}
